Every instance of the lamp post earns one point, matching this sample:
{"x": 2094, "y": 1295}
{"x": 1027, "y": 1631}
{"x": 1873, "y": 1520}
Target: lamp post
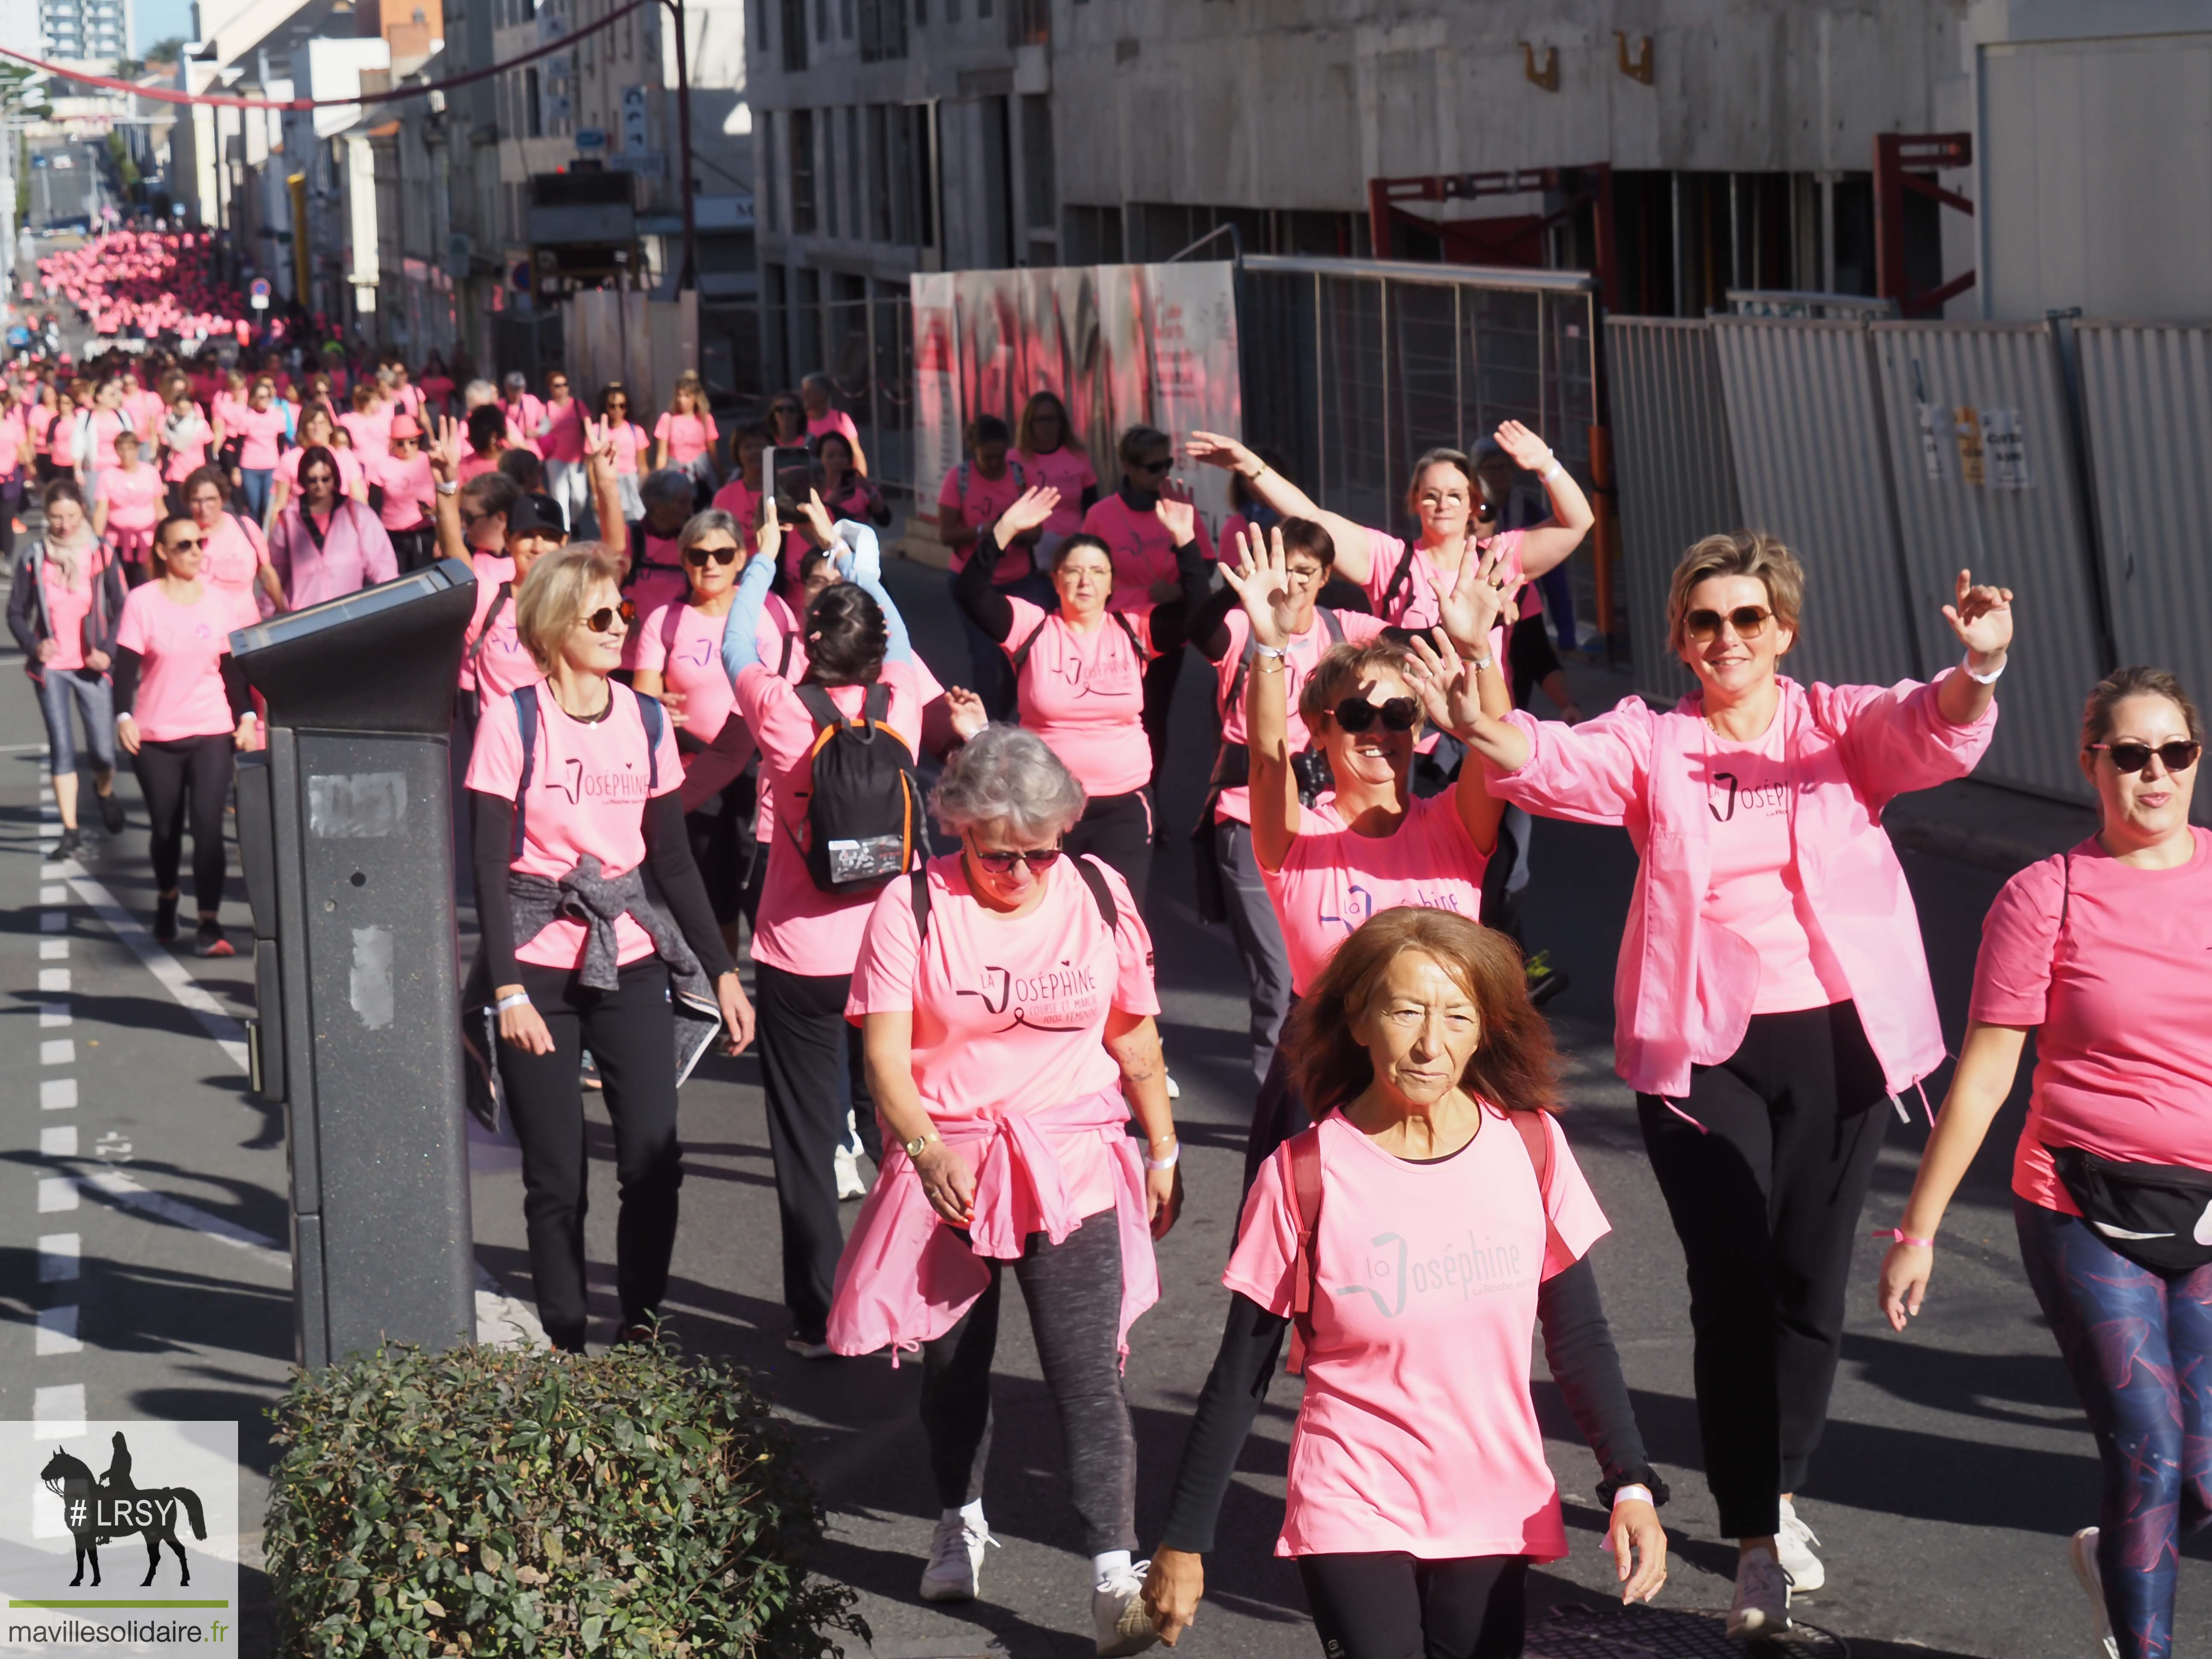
{"x": 687, "y": 267}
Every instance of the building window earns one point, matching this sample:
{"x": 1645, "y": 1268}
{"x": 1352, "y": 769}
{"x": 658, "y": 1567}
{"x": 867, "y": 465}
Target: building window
{"x": 883, "y": 30}
{"x": 794, "y": 36}
{"x": 802, "y": 171}
{"x": 845, "y": 18}
{"x": 1041, "y": 209}
{"x": 856, "y": 228}
{"x": 534, "y": 108}
{"x": 771, "y": 177}
{"x": 832, "y": 220}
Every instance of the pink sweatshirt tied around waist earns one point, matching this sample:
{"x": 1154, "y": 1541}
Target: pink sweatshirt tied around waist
{"x": 906, "y": 1276}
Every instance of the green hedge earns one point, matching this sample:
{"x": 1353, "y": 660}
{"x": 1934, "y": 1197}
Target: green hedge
{"x": 489, "y": 1501}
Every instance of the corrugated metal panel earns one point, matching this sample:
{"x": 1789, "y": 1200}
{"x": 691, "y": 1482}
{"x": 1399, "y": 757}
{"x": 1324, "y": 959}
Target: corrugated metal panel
{"x": 1805, "y": 422}
{"x": 2033, "y": 540}
{"x": 2146, "y": 404}
{"x": 1675, "y": 471}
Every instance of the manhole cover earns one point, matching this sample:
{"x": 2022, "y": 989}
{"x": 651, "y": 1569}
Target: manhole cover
{"x": 1578, "y": 1632}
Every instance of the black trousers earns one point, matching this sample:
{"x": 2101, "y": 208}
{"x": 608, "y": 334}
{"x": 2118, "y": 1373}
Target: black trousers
{"x": 1765, "y": 1197}
{"x": 721, "y": 834}
{"x": 416, "y": 548}
{"x": 1279, "y": 1110}
{"x": 1160, "y": 676}
{"x": 1073, "y": 1290}
{"x": 1118, "y": 831}
{"x": 1389, "y": 1605}
{"x": 631, "y": 1033}
{"x": 807, "y": 1049}
{"x": 176, "y": 774}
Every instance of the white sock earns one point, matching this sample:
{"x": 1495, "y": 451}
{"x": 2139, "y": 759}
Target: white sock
{"x": 971, "y": 1513}
{"x": 1111, "y": 1565}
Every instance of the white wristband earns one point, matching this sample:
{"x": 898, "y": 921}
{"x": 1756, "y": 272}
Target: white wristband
{"x": 512, "y": 1000}
{"x": 1632, "y": 1494}
{"x": 1554, "y": 471}
{"x": 447, "y": 487}
{"x": 1272, "y": 650}
{"x": 1482, "y": 663}
{"x": 1967, "y": 667}
{"x": 1173, "y": 1157}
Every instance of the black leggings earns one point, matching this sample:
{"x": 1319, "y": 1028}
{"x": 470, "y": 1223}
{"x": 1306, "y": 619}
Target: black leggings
{"x": 1765, "y": 1188}
{"x": 1117, "y": 830}
{"x": 171, "y": 771}
{"x": 722, "y": 847}
{"x": 1389, "y": 1605}
{"x": 631, "y": 1033}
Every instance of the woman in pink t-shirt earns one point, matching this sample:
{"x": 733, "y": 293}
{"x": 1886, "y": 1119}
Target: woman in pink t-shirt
{"x": 1005, "y": 1000}
{"x": 573, "y": 784}
{"x": 629, "y": 441}
{"x": 1231, "y": 888}
{"x": 1045, "y": 439}
{"x": 817, "y": 397}
{"x": 676, "y": 654}
{"x": 740, "y": 496}
{"x": 1772, "y": 998}
{"x": 368, "y": 422}
{"x": 260, "y": 425}
{"x": 846, "y": 489}
{"x": 1414, "y": 1239}
{"x": 326, "y": 544}
{"x": 684, "y": 437}
{"x": 182, "y": 710}
{"x": 317, "y": 431}
{"x": 127, "y": 507}
{"x": 187, "y": 438}
{"x": 973, "y": 496}
{"x": 64, "y": 606}
{"x": 1079, "y": 669}
{"x": 2105, "y": 954}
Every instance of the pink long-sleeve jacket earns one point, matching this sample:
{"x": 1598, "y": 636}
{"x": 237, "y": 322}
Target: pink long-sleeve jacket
{"x": 1683, "y": 988}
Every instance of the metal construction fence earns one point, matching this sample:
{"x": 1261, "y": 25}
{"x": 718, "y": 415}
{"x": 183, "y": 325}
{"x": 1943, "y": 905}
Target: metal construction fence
{"x": 1891, "y": 455}
{"x": 626, "y": 335}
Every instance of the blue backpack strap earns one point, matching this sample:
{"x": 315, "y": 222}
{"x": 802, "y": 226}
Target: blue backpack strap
{"x": 655, "y": 718}
{"x": 525, "y": 724}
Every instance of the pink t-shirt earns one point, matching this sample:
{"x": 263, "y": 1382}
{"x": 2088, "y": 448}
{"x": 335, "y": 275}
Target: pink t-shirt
{"x": 350, "y": 468}
{"x": 1414, "y": 604}
{"x": 11, "y": 441}
{"x": 1010, "y": 1012}
{"x": 1143, "y": 552}
{"x": 1754, "y": 890}
{"x": 260, "y": 428}
{"x": 835, "y": 420}
{"x": 133, "y": 497}
{"x": 104, "y": 426}
{"x": 1068, "y": 469}
{"x": 187, "y": 456}
{"x": 68, "y": 604}
{"x": 982, "y": 502}
{"x": 741, "y": 501}
{"x": 2120, "y": 1004}
{"x": 802, "y": 929}
{"x": 523, "y": 416}
{"x": 1085, "y": 694}
{"x": 409, "y": 490}
{"x": 1236, "y": 804}
{"x": 234, "y": 553}
{"x": 370, "y": 430}
{"x": 629, "y": 439}
{"x": 180, "y": 692}
{"x": 1333, "y": 880}
{"x": 587, "y": 794}
{"x": 1417, "y": 1432}
{"x": 503, "y": 662}
{"x": 683, "y": 645}
{"x": 564, "y": 438}
{"x": 688, "y": 436}
{"x": 474, "y": 465}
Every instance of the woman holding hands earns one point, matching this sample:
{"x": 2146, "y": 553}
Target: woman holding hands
{"x": 2102, "y": 953}
{"x": 1772, "y": 995}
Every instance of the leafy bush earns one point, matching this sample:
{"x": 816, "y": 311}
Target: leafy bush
{"x": 486, "y": 1501}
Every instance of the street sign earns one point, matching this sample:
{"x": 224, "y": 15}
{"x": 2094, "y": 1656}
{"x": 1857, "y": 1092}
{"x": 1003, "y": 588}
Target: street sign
{"x": 591, "y": 138}
{"x": 259, "y": 293}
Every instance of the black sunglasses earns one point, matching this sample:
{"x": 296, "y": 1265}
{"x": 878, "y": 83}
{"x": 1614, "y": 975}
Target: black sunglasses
{"x": 2179, "y": 756}
{"x": 699, "y": 555}
{"x": 1396, "y": 713}
{"x": 602, "y": 621}
{"x": 1157, "y": 467}
{"x": 1001, "y": 863}
{"x": 1749, "y": 622}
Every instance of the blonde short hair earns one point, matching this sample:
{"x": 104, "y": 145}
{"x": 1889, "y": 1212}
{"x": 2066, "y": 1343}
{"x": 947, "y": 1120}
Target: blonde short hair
{"x": 553, "y": 595}
{"x": 1737, "y": 553}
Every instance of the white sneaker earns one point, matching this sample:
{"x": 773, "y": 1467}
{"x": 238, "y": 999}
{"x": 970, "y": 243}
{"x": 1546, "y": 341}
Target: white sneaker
{"x": 2081, "y": 1550}
{"x": 850, "y": 1183}
{"x": 1175, "y": 1089}
{"x": 956, "y": 1559}
{"x": 1118, "y": 1612}
{"x": 1793, "y": 1547}
{"x": 1761, "y": 1607}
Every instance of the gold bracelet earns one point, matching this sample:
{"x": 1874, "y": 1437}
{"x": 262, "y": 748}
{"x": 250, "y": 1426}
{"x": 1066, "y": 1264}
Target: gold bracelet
{"x": 1260, "y": 665}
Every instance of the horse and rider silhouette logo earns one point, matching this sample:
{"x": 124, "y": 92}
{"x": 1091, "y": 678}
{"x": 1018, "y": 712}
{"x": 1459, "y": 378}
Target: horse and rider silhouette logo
{"x": 99, "y": 1511}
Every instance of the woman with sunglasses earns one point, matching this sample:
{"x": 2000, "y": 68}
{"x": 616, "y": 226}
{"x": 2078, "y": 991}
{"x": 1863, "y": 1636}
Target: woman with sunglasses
{"x": 1079, "y": 667}
{"x": 684, "y": 437}
{"x": 2101, "y": 952}
{"x": 406, "y": 491}
{"x": 234, "y": 552}
{"x": 326, "y": 546}
{"x": 1773, "y": 997}
{"x": 182, "y": 710}
{"x": 1145, "y": 564}
{"x": 317, "y": 431}
{"x": 787, "y": 421}
{"x": 65, "y": 603}
{"x": 631, "y": 442}
{"x": 579, "y": 956}
{"x": 675, "y": 653}
{"x": 1044, "y": 438}
{"x": 807, "y": 937}
{"x": 1014, "y": 1150}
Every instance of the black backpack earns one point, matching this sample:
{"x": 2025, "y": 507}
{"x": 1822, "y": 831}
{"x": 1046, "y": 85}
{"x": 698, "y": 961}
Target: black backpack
{"x": 1085, "y": 866}
{"x": 864, "y": 806}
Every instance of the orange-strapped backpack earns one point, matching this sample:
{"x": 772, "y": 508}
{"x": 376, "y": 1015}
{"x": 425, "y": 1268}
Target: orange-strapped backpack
{"x": 1305, "y": 1192}
{"x": 864, "y": 807}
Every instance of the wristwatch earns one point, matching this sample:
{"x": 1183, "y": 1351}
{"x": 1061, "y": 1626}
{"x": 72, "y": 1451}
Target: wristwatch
{"x": 913, "y": 1147}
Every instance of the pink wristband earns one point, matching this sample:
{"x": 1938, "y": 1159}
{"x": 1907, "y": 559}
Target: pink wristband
{"x": 1898, "y": 1234}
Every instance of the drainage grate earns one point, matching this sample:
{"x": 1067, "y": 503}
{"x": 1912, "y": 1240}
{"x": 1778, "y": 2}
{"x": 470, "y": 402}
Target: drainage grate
{"x": 1580, "y": 1633}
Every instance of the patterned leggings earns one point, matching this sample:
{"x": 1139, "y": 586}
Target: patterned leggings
{"x": 2138, "y": 1346}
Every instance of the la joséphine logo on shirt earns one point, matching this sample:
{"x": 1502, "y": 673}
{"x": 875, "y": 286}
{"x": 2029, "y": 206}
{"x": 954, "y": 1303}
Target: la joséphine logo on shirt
{"x": 1060, "y": 998}
{"x": 1453, "y": 1269}
{"x": 625, "y": 784}
{"x": 1358, "y": 905}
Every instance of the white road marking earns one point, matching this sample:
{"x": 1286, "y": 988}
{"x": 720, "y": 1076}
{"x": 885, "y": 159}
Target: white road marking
{"x": 54, "y": 950}
{"x": 56, "y": 1194}
{"x": 122, "y": 1189}
{"x": 60, "y": 1257}
{"x": 57, "y": 1331}
{"x": 58, "y": 1051}
{"x": 58, "y": 1094}
{"x": 57, "y": 1411}
{"x": 58, "y": 1141}
{"x": 53, "y": 893}
{"x": 229, "y": 1033}
{"x": 51, "y": 1014}
{"x": 53, "y": 979}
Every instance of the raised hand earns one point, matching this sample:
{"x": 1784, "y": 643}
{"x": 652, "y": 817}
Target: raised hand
{"x": 1029, "y": 512}
{"x": 1475, "y": 600}
{"x": 442, "y": 449}
{"x": 1262, "y": 578}
{"x": 1212, "y": 449}
{"x": 966, "y": 711}
{"x": 1176, "y": 513}
{"x": 817, "y": 520}
{"x": 1445, "y": 683}
{"x": 1528, "y": 451}
{"x": 1981, "y": 618}
{"x": 768, "y": 540}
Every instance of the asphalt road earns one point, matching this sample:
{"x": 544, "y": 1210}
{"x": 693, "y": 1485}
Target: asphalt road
{"x": 1955, "y": 1466}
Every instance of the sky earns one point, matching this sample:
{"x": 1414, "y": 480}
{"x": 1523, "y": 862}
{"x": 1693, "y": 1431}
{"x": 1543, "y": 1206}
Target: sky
{"x": 159, "y": 20}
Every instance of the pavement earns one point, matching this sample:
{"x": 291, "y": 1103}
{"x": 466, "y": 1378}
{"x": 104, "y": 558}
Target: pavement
{"x": 140, "y": 1273}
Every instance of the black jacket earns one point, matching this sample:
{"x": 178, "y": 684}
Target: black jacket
{"x": 26, "y": 602}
